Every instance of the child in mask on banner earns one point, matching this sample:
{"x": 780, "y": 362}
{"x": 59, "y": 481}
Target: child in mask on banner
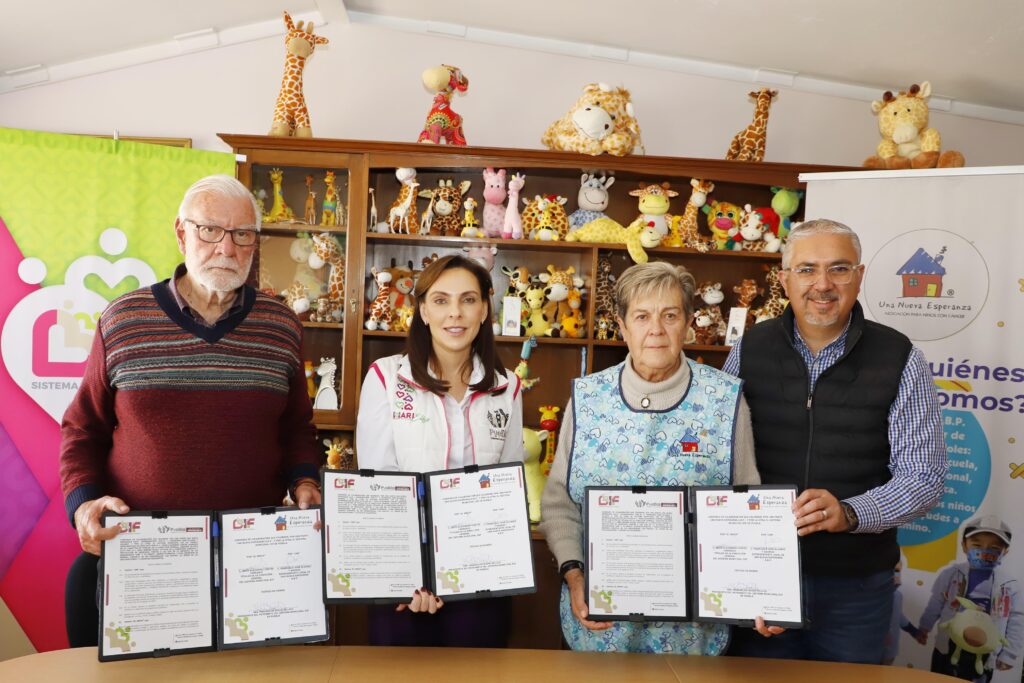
{"x": 986, "y": 540}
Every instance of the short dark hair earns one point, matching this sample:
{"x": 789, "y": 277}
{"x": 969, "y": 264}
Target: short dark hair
{"x": 419, "y": 346}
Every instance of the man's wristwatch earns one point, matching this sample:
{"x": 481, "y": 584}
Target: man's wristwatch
{"x": 851, "y": 515}
{"x": 569, "y": 565}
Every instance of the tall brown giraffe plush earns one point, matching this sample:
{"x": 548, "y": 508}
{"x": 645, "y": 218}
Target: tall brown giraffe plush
{"x": 748, "y": 144}
{"x": 290, "y": 114}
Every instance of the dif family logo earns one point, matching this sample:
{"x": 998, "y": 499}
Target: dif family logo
{"x": 47, "y": 335}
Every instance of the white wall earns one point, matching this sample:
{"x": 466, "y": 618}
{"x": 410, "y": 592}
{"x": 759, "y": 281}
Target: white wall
{"x": 366, "y": 85}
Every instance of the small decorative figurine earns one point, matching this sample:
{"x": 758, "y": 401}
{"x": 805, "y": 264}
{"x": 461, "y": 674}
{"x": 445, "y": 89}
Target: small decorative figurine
{"x": 535, "y": 321}
{"x": 494, "y": 196}
{"x": 604, "y": 301}
{"x": 785, "y": 203}
{"x": 403, "y": 210}
{"x": 447, "y": 201}
{"x": 290, "y": 114}
{"x": 535, "y": 479}
{"x": 637, "y": 238}
{"x": 427, "y": 220}
{"x": 442, "y": 122}
{"x": 296, "y": 297}
{"x": 322, "y": 312}
{"x": 470, "y": 226}
{"x": 748, "y": 144}
{"x": 329, "y": 209}
{"x": 746, "y": 291}
{"x": 307, "y": 367}
{"x": 522, "y": 370}
{"x": 373, "y": 209}
{"x": 310, "y": 212}
{"x": 512, "y": 227}
{"x": 326, "y": 396}
{"x": 558, "y": 283}
{"x": 549, "y": 421}
{"x": 403, "y": 279}
{"x": 402, "y": 318}
{"x": 592, "y": 200}
{"x": 752, "y": 235}
{"x": 711, "y": 296}
{"x": 776, "y": 303}
{"x": 340, "y": 455}
{"x": 279, "y": 210}
{"x": 381, "y": 313}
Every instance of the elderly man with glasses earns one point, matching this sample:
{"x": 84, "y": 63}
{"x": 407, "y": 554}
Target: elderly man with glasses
{"x": 846, "y": 409}
{"x": 194, "y": 395}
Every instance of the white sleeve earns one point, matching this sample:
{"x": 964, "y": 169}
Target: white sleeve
{"x": 375, "y": 436}
{"x": 512, "y": 451}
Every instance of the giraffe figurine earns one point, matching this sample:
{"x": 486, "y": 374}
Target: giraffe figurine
{"x": 291, "y": 118}
{"x": 442, "y": 122}
{"x": 310, "y": 211}
{"x": 748, "y": 144}
{"x": 776, "y": 303}
{"x": 373, "y": 210}
{"x": 684, "y": 231}
{"x": 279, "y": 210}
{"x": 746, "y": 291}
{"x": 329, "y": 216}
{"x": 381, "y": 313}
{"x": 549, "y": 421}
{"x": 327, "y": 250}
{"x": 404, "y": 206}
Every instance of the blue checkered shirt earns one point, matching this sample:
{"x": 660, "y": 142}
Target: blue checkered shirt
{"x": 918, "y": 458}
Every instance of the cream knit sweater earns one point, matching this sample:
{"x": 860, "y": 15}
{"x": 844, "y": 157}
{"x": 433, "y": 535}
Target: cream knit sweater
{"x": 562, "y": 520}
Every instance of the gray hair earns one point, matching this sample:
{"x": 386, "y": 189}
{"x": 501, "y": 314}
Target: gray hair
{"x": 819, "y": 226}
{"x": 222, "y": 186}
{"x": 656, "y": 277}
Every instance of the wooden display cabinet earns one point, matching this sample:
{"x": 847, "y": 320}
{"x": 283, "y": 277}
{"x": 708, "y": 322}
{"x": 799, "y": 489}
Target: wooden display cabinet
{"x": 367, "y": 164}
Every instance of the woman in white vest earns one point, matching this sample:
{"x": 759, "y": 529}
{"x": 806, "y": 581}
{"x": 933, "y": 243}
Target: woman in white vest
{"x": 690, "y": 421}
{"x": 446, "y": 403}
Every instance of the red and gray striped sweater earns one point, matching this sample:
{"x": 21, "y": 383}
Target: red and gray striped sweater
{"x": 173, "y": 415}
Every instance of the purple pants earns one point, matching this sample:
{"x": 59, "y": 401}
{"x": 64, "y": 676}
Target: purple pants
{"x": 469, "y": 623}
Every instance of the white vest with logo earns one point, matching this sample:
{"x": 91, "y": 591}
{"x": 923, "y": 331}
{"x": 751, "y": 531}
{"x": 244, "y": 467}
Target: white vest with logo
{"x": 421, "y": 429}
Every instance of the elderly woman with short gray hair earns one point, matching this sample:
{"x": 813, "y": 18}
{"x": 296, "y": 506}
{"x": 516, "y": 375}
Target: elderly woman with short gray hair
{"x": 651, "y": 403}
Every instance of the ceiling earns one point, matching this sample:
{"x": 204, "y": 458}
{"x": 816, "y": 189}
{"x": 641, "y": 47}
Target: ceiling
{"x": 972, "y": 52}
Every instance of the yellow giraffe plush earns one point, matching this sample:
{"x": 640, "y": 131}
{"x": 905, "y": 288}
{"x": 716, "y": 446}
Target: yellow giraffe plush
{"x": 748, "y": 144}
{"x": 290, "y": 114}
{"x": 907, "y": 141}
{"x": 636, "y": 238}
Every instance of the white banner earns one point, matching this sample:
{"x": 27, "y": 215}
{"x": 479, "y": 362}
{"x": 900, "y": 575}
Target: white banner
{"x": 943, "y": 251}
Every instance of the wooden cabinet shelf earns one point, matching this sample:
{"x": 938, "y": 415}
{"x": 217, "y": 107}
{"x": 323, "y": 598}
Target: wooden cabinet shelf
{"x": 323, "y": 326}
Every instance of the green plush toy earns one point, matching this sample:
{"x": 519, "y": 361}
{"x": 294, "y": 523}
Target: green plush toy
{"x": 785, "y": 203}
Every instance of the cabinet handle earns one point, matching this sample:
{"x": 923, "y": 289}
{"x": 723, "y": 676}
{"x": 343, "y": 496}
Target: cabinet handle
{"x": 352, "y": 305}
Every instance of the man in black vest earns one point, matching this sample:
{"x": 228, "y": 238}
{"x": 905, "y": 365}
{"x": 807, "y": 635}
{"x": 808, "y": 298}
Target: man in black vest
{"x": 846, "y": 409}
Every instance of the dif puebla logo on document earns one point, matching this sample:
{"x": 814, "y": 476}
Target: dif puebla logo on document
{"x": 929, "y": 284}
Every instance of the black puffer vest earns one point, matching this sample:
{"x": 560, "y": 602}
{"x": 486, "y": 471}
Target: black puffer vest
{"x": 836, "y": 438}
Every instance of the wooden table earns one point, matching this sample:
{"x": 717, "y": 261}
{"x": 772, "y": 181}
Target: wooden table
{"x": 388, "y": 665}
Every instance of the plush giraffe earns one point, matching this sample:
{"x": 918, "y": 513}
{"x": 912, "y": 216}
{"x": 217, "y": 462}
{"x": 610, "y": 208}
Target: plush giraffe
{"x": 748, "y": 144}
{"x": 512, "y": 228}
{"x": 753, "y": 235}
{"x": 558, "y": 283}
{"x": 381, "y": 313}
{"x": 602, "y": 120}
{"x": 403, "y": 209}
{"x": 548, "y": 210}
{"x": 746, "y": 291}
{"x": 907, "y": 141}
{"x": 329, "y": 209}
{"x": 327, "y": 250}
{"x": 637, "y": 238}
{"x": 653, "y": 201}
{"x": 310, "y": 211}
{"x": 604, "y": 300}
{"x": 443, "y": 123}
{"x": 776, "y": 303}
{"x": 290, "y": 114}
{"x": 447, "y": 202}
{"x": 684, "y": 231}
{"x": 710, "y": 294}
{"x": 279, "y": 210}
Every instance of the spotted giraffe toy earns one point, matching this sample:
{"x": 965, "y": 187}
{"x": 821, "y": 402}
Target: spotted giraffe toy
{"x": 748, "y": 144}
{"x": 291, "y": 118}
{"x": 684, "y": 231}
{"x": 326, "y": 248}
{"x": 381, "y": 313}
{"x": 776, "y": 303}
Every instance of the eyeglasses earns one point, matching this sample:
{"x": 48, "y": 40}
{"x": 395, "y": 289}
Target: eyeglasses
{"x": 839, "y": 274}
{"x": 242, "y": 237}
